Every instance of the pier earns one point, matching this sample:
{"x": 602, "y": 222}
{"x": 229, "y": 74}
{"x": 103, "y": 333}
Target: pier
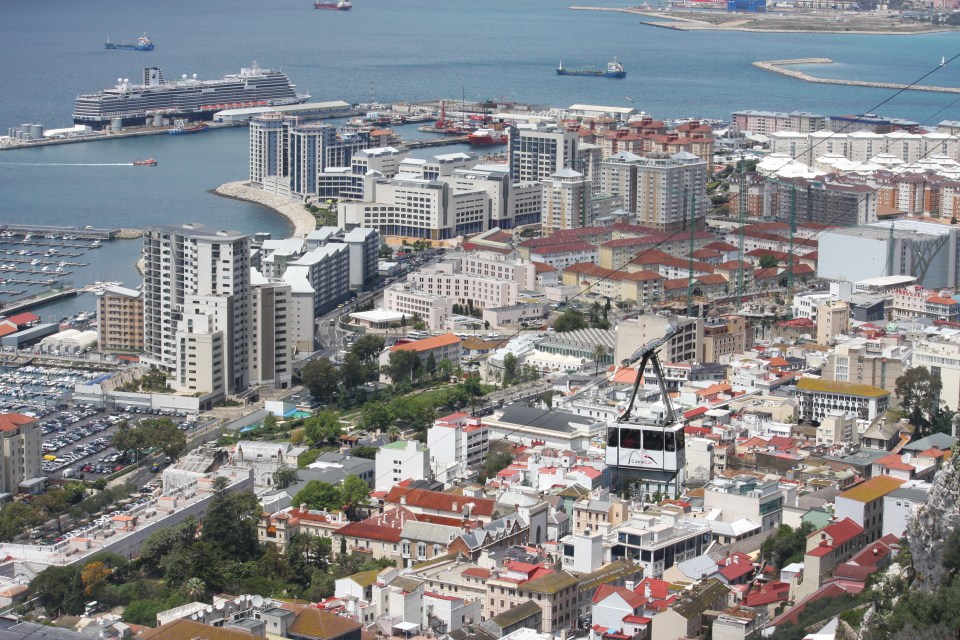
{"x": 438, "y": 142}
{"x": 84, "y": 233}
{"x": 777, "y": 66}
{"x": 40, "y": 298}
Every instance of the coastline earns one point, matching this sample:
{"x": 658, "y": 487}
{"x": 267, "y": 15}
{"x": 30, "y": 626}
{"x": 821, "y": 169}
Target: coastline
{"x": 299, "y": 218}
{"x": 679, "y": 23}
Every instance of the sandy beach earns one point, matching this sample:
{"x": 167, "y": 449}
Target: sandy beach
{"x": 302, "y": 220}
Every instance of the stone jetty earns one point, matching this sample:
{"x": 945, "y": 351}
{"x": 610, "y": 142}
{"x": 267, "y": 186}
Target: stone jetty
{"x": 777, "y": 66}
{"x": 302, "y": 220}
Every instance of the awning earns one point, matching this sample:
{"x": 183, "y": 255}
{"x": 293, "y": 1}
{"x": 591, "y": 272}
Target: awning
{"x": 406, "y": 626}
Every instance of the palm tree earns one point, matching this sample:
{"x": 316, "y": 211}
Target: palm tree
{"x": 194, "y": 589}
{"x": 599, "y": 353}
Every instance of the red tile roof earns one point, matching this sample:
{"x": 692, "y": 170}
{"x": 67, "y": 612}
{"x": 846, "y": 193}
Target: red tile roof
{"x": 720, "y": 246}
{"x": 12, "y": 421}
{"x": 842, "y": 531}
{"x": 437, "y": 501}
{"x": 543, "y": 267}
{"x": 427, "y": 343}
{"x": 7, "y": 329}
{"x": 23, "y": 318}
{"x": 632, "y": 598}
{"x": 936, "y": 299}
{"x": 768, "y": 594}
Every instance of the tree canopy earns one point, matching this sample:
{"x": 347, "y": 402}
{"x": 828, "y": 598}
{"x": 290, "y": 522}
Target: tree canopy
{"x": 321, "y": 378}
{"x": 570, "y": 320}
{"x": 918, "y": 391}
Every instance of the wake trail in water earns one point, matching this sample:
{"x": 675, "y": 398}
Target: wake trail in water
{"x": 68, "y": 164}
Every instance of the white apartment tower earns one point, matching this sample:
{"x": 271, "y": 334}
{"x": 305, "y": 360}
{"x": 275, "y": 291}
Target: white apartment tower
{"x": 196, "y": 289}
{"x": 664, "y": 191}
{"x": 539, "y": 151}
{"x": 567, "y": 203}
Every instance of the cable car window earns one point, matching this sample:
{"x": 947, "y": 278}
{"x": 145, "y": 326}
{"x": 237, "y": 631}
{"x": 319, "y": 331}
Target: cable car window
{"x": 670, "y": 442}
{"x": 613, "y": 437}
{"x": 679, "y": 434}
{"x": 653, "y": 440}
{"x": 630, "y": 439}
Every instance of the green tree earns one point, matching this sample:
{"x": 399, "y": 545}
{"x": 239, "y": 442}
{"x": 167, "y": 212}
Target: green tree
{"x": 403, "y": 365}
{"x": 74, "y": 492}
{"x": 376, "y": 416}
{"x": 570, "y": 320}
{"x": 128, "y": 438}
{"x": 547, "y": 397}
{"x": 284, "y": 477}
{"x": 494, "y": 464}
{"x": 323, "y": 427}
{"x": 59, "y": 590}
{"x": 353, "y": 373}
{"x": 599, "y": 354}
{"x": 163, "y": 434}
{"x": 431, "y": 363}
{"x": 163, "y": 542}
{"x": 321, "y": 378}
{"x": 364, "y": 451}
{"x": 368, "y": 347}
{"x": 354, "y": 492}
{"x": 194, "y": 589}
{"x": 445, "y": 368}
{"x": 509, "y": 369}
{"x": 319, "y": 495}
{"x": 918, "y": 391}
{"x": 230, "y": 524}
{"x": 786, "y": 545}
{"x": 768, "y": 261}
{"x": 15, "y": 518}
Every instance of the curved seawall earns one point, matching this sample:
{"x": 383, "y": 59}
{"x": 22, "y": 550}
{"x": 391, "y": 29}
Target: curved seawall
{"x": 777, "y": 66}
{"x": 302, "y": 220}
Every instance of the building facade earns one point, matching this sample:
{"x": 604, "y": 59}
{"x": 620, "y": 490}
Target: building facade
{"x": 120, "y": 319}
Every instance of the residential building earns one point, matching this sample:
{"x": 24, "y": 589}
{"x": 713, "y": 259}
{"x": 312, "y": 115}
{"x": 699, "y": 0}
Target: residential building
{"x": 900, "y": 505}
{"x": 838, "y": 428}
{"x": 536, "y": 152}
{"x": 478, "y": 280}
{"x": 746, "y": 497}
{"x": 869, "y": 362}
{"x": 512, "y": 204}
{"x": 401, "y": 460}
{"x": 833, "y": 319}
{"x": 271, "y": 347}
{"x": 685, "y": 346}
{"x": 827, "y": 548}
{"x": 443, "y": 347}
{"x": 863, "y": 504}
{"x": 593, "y": 515}
{"x": 516, "y": 315}
{"x": 119, "y": 319}
{"x": 422, "y": 502}
{"x": 664, "y": 191}
{"x": 767, "y": 122}
{"x": 519, "y": 582}
{"x": 941, "y": 357}
{"x": 319, "y": 280}
{"x": 657, "y": 544}
{"x": 21, "y": 455}
{"x": 566, "y": 202}
{"x": 406, "y": 298}
{"x": 818, "y": 397}
{"x": 364, "y": 251}
{"x": 686, "y": 617}
{"x": 643, "y": 287}
{"x": 725, "y": 337}
{"x": 196, "y": 297}
{"x": 457, "y": 439}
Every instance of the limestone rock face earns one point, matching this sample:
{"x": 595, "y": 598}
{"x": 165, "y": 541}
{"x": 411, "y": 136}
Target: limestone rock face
{"x": 932, "y": 524}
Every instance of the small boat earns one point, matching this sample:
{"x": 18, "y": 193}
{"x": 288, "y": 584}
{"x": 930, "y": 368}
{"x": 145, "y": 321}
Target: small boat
{"x": 342, "y": 5}
{"x": 183, "y": 130}
{"x": 614, "y": 70}
{"x": 149, "y": 162}
{"x": 143, "y": 43}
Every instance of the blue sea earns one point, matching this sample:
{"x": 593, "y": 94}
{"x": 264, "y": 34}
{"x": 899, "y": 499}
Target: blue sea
{"x": 389, "y": 50}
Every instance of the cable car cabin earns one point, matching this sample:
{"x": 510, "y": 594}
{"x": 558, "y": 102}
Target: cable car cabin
{"x": 632, "y": 445}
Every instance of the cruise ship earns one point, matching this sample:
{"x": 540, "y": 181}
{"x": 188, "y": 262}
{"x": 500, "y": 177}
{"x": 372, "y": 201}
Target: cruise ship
{"x": 189, "y": 99}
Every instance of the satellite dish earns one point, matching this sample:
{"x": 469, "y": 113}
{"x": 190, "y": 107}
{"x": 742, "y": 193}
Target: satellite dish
{"x": 258, "y": 601}
{"x": 238, "y": 601}
{"x": 209, "y": 609}
{"x": 220, "y": 606}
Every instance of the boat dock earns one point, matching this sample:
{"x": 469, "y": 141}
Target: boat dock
{"x": 79, "y": 233}
{"x": 40, "y": 298}
{"x": 438, "y": 142}
{"x": 777, "y": 66}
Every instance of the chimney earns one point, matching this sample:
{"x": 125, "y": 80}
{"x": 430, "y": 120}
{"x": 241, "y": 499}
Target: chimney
{"x": 736, "y": 559}
{"x": 403, "y": 499}
{"x": 303, "y": 506}
{"x": 629, "y": 584}
{"x": 455, "y": 505}
{"x": 646, "y": 590}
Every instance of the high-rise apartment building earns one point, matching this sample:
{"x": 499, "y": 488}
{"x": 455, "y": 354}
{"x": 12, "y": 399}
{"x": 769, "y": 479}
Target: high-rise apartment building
{"x": 20, "y": 453}
{"x": 567, "y": 202}
{"x": 120, "y": 319}
{"x": 196, "y": 290}
{"x": 536, "y": 152}
{"x": 664, "y": 191}
{"x": 271, "y": 346}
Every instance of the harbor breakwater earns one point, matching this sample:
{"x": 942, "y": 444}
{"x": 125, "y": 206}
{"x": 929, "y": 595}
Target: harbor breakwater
{"x": 777, "y": 66}
{"x": 302, "y": 220}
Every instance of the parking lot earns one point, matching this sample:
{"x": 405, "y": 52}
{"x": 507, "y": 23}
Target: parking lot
{"x": 77, "y": 443}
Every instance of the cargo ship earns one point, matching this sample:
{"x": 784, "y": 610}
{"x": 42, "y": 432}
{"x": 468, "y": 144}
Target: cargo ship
{"x": 342, "y": 5}
{"x": 486, "y": 138}
{"x": 183, "y": 130}
{"x": 189, "y": 99}
{"x": 614, "y": 70}
{"x": 143, "y": 43}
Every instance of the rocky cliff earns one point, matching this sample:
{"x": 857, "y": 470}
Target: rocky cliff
{"x": 931, "y": 526}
